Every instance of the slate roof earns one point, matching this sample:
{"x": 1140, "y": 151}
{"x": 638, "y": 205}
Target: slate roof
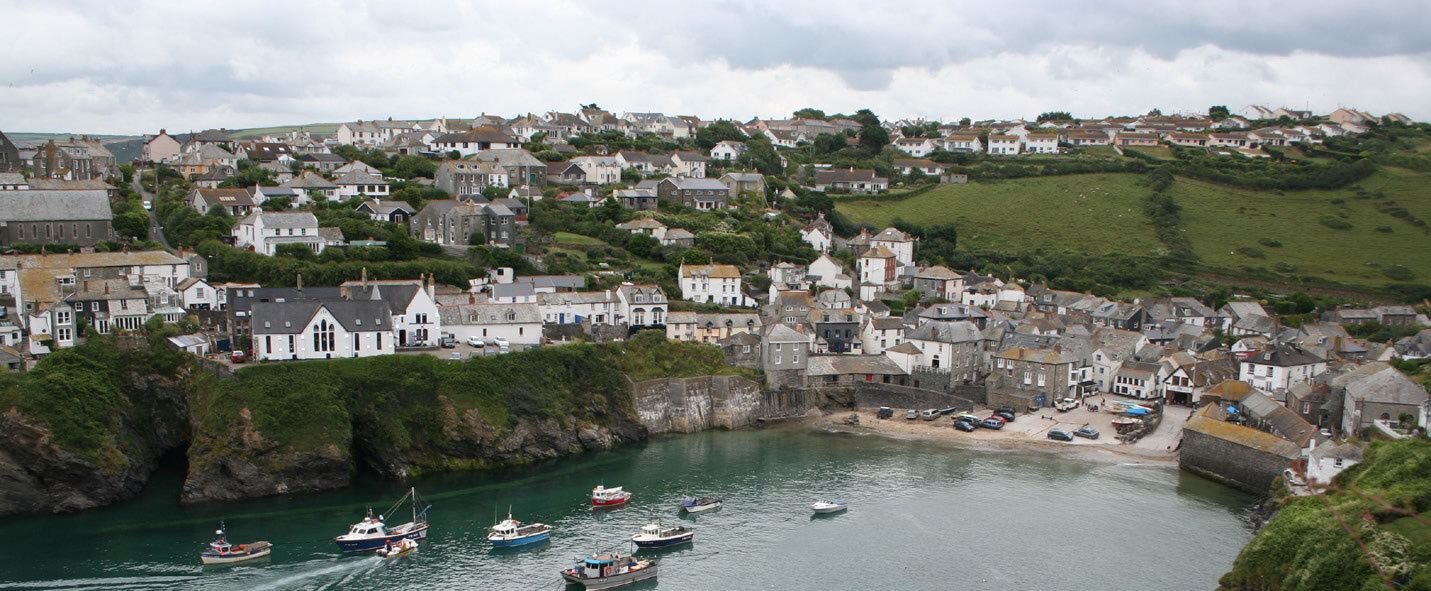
{"x": 826, "y": 365}
{"x": 1284, "y": 356}
{"x": 701, "y": 184}
{"x": 359, "y": 177}
{"x": 44, "y": 206}
{"x": 283, "y": 220}
{"x": 1205, "y": 421}
{"x": 308, "y": 180}
{"x": 1388, "y": 386}
{"x": 781, "y": 333}
{"x": 946, "y": 332}
{"x": 489, "y": 314}
{"x": 291, "y": 317}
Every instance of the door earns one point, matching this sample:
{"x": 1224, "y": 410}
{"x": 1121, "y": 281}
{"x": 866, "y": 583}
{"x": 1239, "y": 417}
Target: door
{"x": 1041, "y": 400}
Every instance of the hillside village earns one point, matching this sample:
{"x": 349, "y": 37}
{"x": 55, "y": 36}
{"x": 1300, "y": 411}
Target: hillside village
{"x": 469, "y": 237}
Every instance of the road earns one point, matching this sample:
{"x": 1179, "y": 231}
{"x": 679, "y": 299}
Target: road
{"x": 156, "y": 233}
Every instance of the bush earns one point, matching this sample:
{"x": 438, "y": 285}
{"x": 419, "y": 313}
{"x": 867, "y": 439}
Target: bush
{"x": 1284, "y": 268}
{"x": 1334, "y": 223}
{"x": 1252, "y": 251}
{"x": 1384, "y": 229}
{"x": 1269, "y": 242}
{"x": 1398, "y": 273}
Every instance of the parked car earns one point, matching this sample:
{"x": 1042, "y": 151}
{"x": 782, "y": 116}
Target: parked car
{"x": 911, "y": 414}
{"x": 238, "y": 356}
{"x": 998, "y": 418}
{"x": 1060, "y": 435}
{"x": 1007, "y": 416}
{"x": 965, "y": 426}
{"x": 455, "y": 356}
{"x": 502, "y": 344}
{"x": 1007, "y": 409}
{"x": 475, "y": 342}
{"x": 474, "y": 354}
{"x": 1088, "y": 432}
{"x": 948, "y": 411}
{"x": 884, "y": 412}
{"x": 929, "y": 414}
{"x": 148, "y": 204}
{"x": 991, "y": 423}
{"x": 447, "y": 342}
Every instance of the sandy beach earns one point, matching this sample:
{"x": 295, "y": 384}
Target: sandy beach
{"x": 1027, "y": 431}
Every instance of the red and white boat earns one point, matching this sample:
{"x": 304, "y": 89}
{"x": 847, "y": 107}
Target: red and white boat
{"x": 609, "y": 497}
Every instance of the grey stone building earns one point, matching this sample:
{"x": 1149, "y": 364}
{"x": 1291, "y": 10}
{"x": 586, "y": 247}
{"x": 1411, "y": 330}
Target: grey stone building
{"x": 55, "y": 217}
{"x": 698, "y": 193}
{"x": 785, "y": 355}
{"x": 453, "y": 222}
{"x": 9, "y": 156}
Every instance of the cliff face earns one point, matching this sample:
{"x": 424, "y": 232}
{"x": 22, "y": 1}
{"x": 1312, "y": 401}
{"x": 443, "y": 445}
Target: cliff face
{"x": 42, "y": 470}
{"x": 687, "y": 405}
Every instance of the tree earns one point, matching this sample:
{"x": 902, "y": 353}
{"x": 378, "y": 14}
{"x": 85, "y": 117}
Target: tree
{"x": 477, "y": 239}
{"x": 1155, "y": 112}
{"x": 866, "y": 117}
{"x": 134, "y": 225}
{"x": 278, "y": 203}
{"x": 630, "y": 175}
{"x": 707, "y": 137}
{"x": 965, "y": 121}
{"x": 829, "y": 143}
{"x": 642, "y": 245}
{"x": 874, "y": 138}
{"x": 761, "y": 155}
{"x": 809, "y": 113}
{"x": 1218, "y": 112}
{"x": 249, "y": 174}
{"x": 413, "y": 166}
{"x": 1055, "y": 116}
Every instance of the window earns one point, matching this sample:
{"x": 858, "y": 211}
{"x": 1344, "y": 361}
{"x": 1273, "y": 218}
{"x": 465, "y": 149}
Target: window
{"x": 292, "y": 343}
{"x": 62, "y": 317}
{"x": 268, "y": 344}
{"x": 323, "y": 334}
{"x": 380, "y": 341}
{"x": 94, "y": 306}
{"x": 64, "y": 334}
{"x": 357, "y": 342}
{"x": 1028, "y": 378}
{"x": 1040, "y": 379}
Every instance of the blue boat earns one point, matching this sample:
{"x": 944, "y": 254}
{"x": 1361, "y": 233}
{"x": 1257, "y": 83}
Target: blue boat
{"x": 511, "y": 533}
{"x": 697, "y": 505}
{"x": 655, "y": 536}
{"x": 372, "y": 534}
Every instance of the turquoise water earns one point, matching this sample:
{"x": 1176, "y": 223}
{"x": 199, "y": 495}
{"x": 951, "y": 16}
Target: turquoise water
{"x": 922, "y": 516}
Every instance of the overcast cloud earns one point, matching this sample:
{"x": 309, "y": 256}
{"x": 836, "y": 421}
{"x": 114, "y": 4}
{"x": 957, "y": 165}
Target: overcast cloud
{"x": 134, "y": 67}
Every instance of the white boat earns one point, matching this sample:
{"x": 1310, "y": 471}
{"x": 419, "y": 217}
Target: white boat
{"x": 702, "y": 504}
{"x": 511, "y": 533}
{"x": 372, "y": 534}
{"x": 828, "y": 506}
{"x": 655, "y": 536}
{"x": 400, "y": 548}
{"x": 222, "y": 552}
{"x": 608, "y": 571}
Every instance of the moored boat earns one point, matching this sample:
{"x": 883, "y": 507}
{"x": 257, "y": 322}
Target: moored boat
{"x": 222, "y": 552}
{"x": 609, "y": 497}
{"x": 655, "y": 536}
{"x": 511, "y": 533}
{"x": 399, "y": 548}
{"x": 373, "y": 534}
{"x": 829, "y": 506}
{"x": 608, "y": 571}
{"x": 697, "y": 505}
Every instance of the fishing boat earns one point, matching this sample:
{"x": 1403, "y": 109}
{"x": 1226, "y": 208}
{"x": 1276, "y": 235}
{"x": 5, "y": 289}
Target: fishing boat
{"x": 373, "y": 534}
{"x": 221, "y": 552}
{"x": 609, "y": 497}
{"x": 401, "y": 547}
{"x": 698, "y": 505}
{"x": 608, "y": 571}
{"x": 655, "y": 536}
{"x": 511, "y": 533}
{"x": 828, "y": 506}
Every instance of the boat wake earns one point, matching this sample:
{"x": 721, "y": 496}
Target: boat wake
{"x": 155, "y": 582}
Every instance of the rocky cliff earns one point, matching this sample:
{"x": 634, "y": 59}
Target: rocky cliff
{"x": 687, "y": 405}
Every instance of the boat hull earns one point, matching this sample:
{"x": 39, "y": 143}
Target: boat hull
{"x": 828, "y": 510}
{"x": 700, "y": 508}
{"x": 232, "y": 558}
{"x": 372, "y": 544}
{"x": 522, "y": 541}
{"x": 609, "y": 502}
{"x": 665, "y": 542}
{"x": 612, "y": 581}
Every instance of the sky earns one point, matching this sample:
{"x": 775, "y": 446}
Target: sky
{"x": 137, "y": 66}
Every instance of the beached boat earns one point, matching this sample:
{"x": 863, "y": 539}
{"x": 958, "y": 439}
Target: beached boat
{"x": 699, "y": 505}
{"x": 608, "y": 571}
{"x": 399, "y": 548}
{"x": 511, "y": 533}
{"x": 655, "y": 536}
{"x": 372, "y": 534}
{"x": 221, "y": 552}
{"x": 829, "y": 506}
{"x": 609, "y": 497}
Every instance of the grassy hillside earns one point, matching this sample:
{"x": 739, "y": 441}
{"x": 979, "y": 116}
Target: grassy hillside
{"x": 1102, "y": 213}
{"x": 256, "y": 132}
{"x": 1094, "y": 213}
{"x": 1308, "y": 544}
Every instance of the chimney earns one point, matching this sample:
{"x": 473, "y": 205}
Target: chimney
{"x": 431, "y": 289}
{"x": 364, "y": 277}
{"x": 300, "y": 282}
{"x": 106, "y": 287}
{"x": 471, "y": 298}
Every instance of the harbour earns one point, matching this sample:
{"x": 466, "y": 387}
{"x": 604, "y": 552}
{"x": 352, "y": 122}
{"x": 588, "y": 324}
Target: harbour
{"x": 932, "y": 515}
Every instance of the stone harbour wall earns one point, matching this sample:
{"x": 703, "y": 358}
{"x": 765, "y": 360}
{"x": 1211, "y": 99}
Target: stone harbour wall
{"x": 688, "y": 405}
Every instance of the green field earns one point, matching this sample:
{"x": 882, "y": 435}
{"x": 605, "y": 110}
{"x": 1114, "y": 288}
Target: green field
{"x": 1102, "y": 213}
{"x": 1095, "y": 213}
{"x": 577, "y": 239}
{"x": 255, "y": 132}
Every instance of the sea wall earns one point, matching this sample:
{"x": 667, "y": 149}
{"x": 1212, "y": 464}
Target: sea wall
{"x": 687, "y": 405}
{"x": 1229, "y": 462}
{"x": 872, "y": 395}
